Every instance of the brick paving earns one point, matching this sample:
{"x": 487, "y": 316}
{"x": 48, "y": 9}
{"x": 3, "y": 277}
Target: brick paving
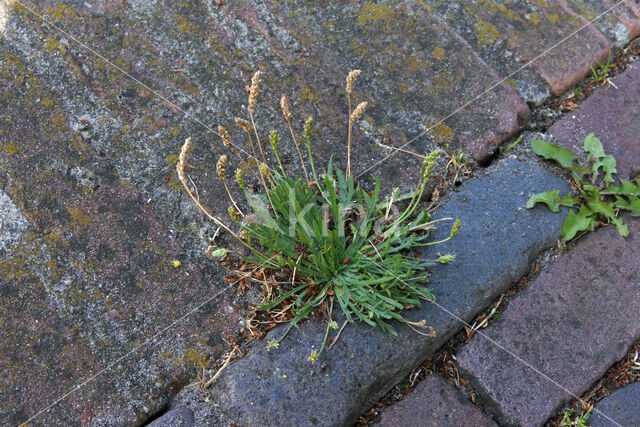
{"x": 619, "y": 24}
{"x": 435, "y": 403}
{"x": 622, "y": 406}
{"x": 508, "y": 35}
{"x": 613, "y": 114}
{"x": 96, "y": 215}
{"x": 572, "y": 323}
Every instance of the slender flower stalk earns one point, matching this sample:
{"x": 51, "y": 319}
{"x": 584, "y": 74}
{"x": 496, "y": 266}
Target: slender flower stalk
{"x": 308, "y": 127}
{"x": 273, "y": 139}
{"x": 221, "y": 168}
{"x": 246, "y": 126}
{"x": 253, "y": 98}
{"x": 226, "y": 141}
{"x": 182, "y": 160}
{"x": 286, "y": 112}
{"x": 350, "y": 80}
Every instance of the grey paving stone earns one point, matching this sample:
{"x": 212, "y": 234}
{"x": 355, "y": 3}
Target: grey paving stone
{"x": 13, "y": 224}
{"x": 435, "y": 403}
{"x": 618, "y": 22}
{"x": 622, "y": 406}
{"x": 91, "y": 280}
{"x": 572, "y": 323}
{"x": 613, "y": 114}
{"x": 497, "y": 243}
{"x": 509, "y": 34}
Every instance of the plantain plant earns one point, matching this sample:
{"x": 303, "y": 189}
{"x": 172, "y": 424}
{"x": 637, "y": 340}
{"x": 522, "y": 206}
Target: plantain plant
{"x": 341, "y": 245}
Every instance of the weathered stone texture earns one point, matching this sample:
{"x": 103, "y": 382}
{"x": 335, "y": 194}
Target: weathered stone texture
{"x": 571, "y": 324}
{"x": 91, "y": 279}
{"x": 435, "y": 403}
{"x": 613, "y": 114}
{"x": 616, "y": 21}
{"x": 509, "y": 34}
{"x": 621, "y": 406}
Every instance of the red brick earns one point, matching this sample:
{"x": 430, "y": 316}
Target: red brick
{"x": 572, "y": 323}
{"x": 613, "y": 114}
{"x": 434, "y": 402}
{"x": 509, "y": 35}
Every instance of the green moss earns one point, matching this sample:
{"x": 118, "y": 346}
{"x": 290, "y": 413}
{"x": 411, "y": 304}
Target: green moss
{"x": 194, "y": 357}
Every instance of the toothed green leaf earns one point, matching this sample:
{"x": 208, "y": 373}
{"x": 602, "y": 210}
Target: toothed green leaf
{"x": 627, "y": 188}
{"x": 633, "y": 205}
{"x": 622, "y": 228}
{"x": 561, "y": 155}
{"x": 593, "y": 147}
{"x": 578, "y": 221}
{"x": 552, "y": 152}
{"x": 552, "y": 199}
{"x": 609, "y": 167}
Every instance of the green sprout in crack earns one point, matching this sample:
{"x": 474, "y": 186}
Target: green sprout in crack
{"x": 598, "y": 201}
{"x": 340, "y": 245}
{"x": 570, "y": 418}
{"x": 601, "y": 72}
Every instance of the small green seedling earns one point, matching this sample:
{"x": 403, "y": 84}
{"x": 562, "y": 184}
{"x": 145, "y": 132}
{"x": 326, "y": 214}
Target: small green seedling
{"x": 578, "y": 422}
{"x": 601, "y": 72}
{"x": 510, "y": 146}
{"x": 598, "y": 201}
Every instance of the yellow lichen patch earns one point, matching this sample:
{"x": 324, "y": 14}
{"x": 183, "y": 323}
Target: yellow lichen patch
{"x": 59, "y": 121}
{"x": 495, "y": 8}
{"x": 486, "y": 32}
{"x": 196, "y": 358}
{"x": 52, "y": 45}
{"x": 185, "y": 26}
{"x": 174, "y": 132}
{"x": 534, "y": 18}
{"x": 415, "y": 64}
{"x": 403, "y": 87}
{"x": 443, "y": 131}
{"x": 372, "y": 12}
{"x": 174, "y": 184}
{"x": 553, "y": 17}
{"x": 438, "y": 53}
{"x": 15, "y": 269}
{"x": 11, "y": 148}
{"x": 46, "y": 102}
{"x": 172, "y": 159}
{"x": 307, "y": 95}
{"x": 79, "y": 217}
{"x": 58, "y": 13}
